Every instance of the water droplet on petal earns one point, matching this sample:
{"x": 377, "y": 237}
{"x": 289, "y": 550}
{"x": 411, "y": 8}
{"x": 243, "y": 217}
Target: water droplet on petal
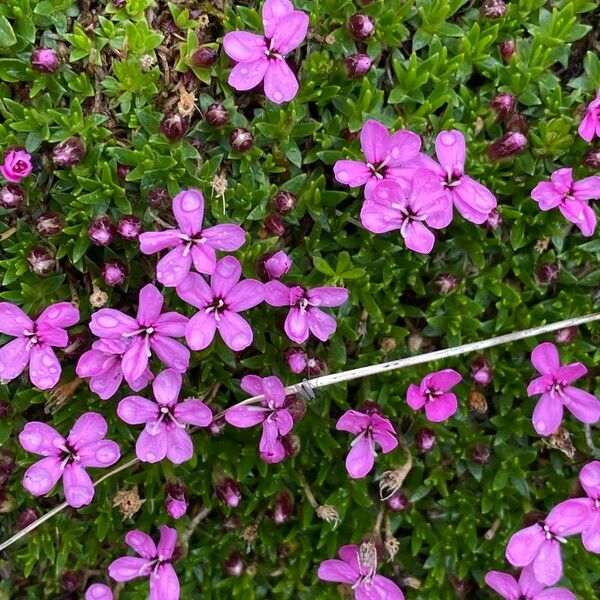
{"x": 190, "y": 202}
{"x": 447, "y": 138}
{"x": 107, "y": 321}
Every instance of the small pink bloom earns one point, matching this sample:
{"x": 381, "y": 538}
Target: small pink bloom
{"x": 263, "y": 57}
{"x": 190, "y": 242}
{"x": 68, "y": 458}
{"x": 570, "y": 197}
{"x": 589, "y": 477}
{"x": 278, "y": 265}
{"x": 219, "y": 305}
{"x": 98, "y": 591}
{"x": 296, "y": 359}
{"x": 271, "y": 412}
{"x": 305, "y": 313}
{"x": 527, "y": 587}
{"x": 363, "y": 579}
{"x": 165, "y": 420}
{"x": 433, "y": 394}
{"x": 539, "y": 545}
{"x": 391, "y": 207}
{"x": 554, "y": 385}
{"x": 153, "y": 561}
{"x": 149, "y": 332}
{"x": 369, "y": 429}
{"x": 176, "y": 499}
{"x": 17, "y": 165}
{"x": 34, "y": 341}
{"x": 386, "y": 157}
{"x": 590, "y": 125}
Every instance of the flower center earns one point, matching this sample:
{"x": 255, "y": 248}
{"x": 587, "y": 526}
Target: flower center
{"x": 556, "y": 389}
{"x": 453, "y": 178}
{"x": 270, "y": 51}
{"x": 218, "y": 307}
{"x": 33, "y": 338}
{"x": 169, "y": 419}
{"x": 379, "y": 170}
{"x": 67, "y": 455}
{"x": 190, "y": 241}
{"x": 551, "y": 536}
{"x": 20, "y": 166}
{"x": 431, "y": 394}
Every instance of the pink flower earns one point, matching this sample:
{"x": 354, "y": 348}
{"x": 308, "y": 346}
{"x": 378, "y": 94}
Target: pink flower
{"x": 570, "y": 197}
{"x": 278, "y": 265}
{"x": 263, "y": 57}
{"x": 16, "y": 166}
{"x": 391, "y": 207}
{"x": 590, "y": 125}
{"x": 34, "y": 341}
{"x": 433, "y": 394}
{"x": 154, "y": 561}
{"x": 165, "y": 419}
{"x": 102, "y": 364}
{"x": 98, "y": 591}
{"x": 365, "y": 582}
{"x": 190, "y": 243}
{"x": 275, "y": 418}
{"x": 219, "y": 305}
{"x": 539, "y": 544}
{"x": 589, "y": 477}
{"x": 305, "y": 313}
{"x": 385, "y": 157}
{"x": 556, "y": 391}
{"x": 369, "y": 428}
{"x": 84, "y": 447}
{"x": 527, "y": 587}
{"x": 472, "y": 200}
{"x": 149, "y": 332}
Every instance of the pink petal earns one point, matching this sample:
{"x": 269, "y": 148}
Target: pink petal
{"x": 112, "y": 324}
{"x": 44, "y": 368}
{"x": 585, "y": 406}
{"x": 547, "y": 566}
{"x": 546, "y": 195}
{"x": 204, "y": 258}
{"x": 473, "y": 200}
{"x": 164, "y": 585}
{"x": 587, "y": 188}
{"x": 337, "y": 571}
{"x": 42, "y": 476}
{"x": 193, "y": 412}
{"x": 571, "y": 372}
{"x": 296, "y": 325}
{"x": 155, "y": 241}
{"x": 135, "y": 410}
{"x": 39, "y": 438}
{"x": 591, "y": 534}
{"x": 245, "y": 295}
{"x": 353, "y": 421}
{"x": 283, "y": 420}
{"x": 135, "y": 359}
{"x": 235, "y": 331}
{"x": 98, "y": 591}
{"x": 402, "y": 147}
{"x": 386, "y": 440}
{"x": 14, "y": 357}
{"x": 545, "y": 358}
{"x": 129, "y": 567}
{"x": 425, "y": 192}
{"x": 141, "y": 382}
{"x": 60, "y": 315}
{"x": 271, "y": 448}
{"x": 174, "y": 266}
{"x": 569, "y": 517}
{"x": 166, "y": 387}
{"x": 281, "y": 84}
{"x": 327, "y": 296}
{"x": 244, "y": 46}
{"x": 539, "y": 385}
{"x": 94, "y": 362}
{"x": 580, "y": 214}
{"x": 195, "y": 291}
{"x": 321, "y": 325}
{"x": 245, "y": 416}
{"x": 504, "y": 584}
{"x": 444, "y": 380}
{"x": 523, "y": 546}
{"x": 562, "y": 180}
{"x": 589, "y": 476}
{"x": 179, "y": 445}
{"x": 377, "y": 217}
{"x": 171, "y": 324}
{"x": 188, "y": 208}
{"x": 53, "y": 336}
{"x": 290, "y": 32}
{"x": 253, "y": 384}
{"x": 383, "y": 589}
{"x": 361, "y": 458}
{"x": 225, "y": 237}
{"x": 13, "y": 321}
{"x": 150, "y": 304}
{"x": 555, "y": 593}
{"x": 414, "y": 398}
{"x": 272, "y": 12}
{"x": 349, "y": 554}
{"x": 547, "y": 414}
{"x": 374, "y": 139}
{"x": 418, "y": 238}
{"x": 277, "y": 293}
{"x": 274, "y": 391}
{"x": 77, "y": 486}
{"x": 226, "y": 274}
{"x": 171, "y": 352}
{"x": 89, "y": 427}
{"x": 167, "y": 541}
{"x": 451, "y": 151}
{"x": 587, "y": 127}
{"x": 442, "y": 408}
{"x": 141, "y": 543}
{"x": 106, "y": 385}
{"x": 200, "y": 330}
{"x": 352, "y": 172}
{"x": 528, "y": 583}
{"x": 247, "y": 75}
{"x": 101, "y": 454}
{"x": 152, "y": 448}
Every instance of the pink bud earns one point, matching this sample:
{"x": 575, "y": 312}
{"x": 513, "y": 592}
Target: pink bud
{"x": 228, "y": 492}
{"x": 114, "y": 272}
{"x": 99, "y": 591}
{"x": 425, "y": 439}
{"x": 176, "y": 499}
{"x": 216, "y": 115}
{"x": 241, "y": 140}
{"x": 16, "y": 166}
{"x": 494, "y": 219}
{"x": 45, "y": 60}
{"x": 275, "y": 225}
{"x": 296, "y": 359}
{"x": 102, "y": 231}
{"x": 11, "y": 196}
{"x": 493, "y": 9}
{"x": 481, "y": 370}
{"x": 234, "y": 564}
{"x": 566, "y": 335}
{"x": 295, "y": 407}
{"x": 361, "y": 26}
{"x": 503, "y": 104}
{"x": 129, "y": 227}
{"x": 49, "y": 223}
{"x": 399, "y": 502}
{"x": 69, "y": 152}
{"x": 282, "y": 508}
{"x": 358, "y": 65}
{"x": 285, "y": 202}
{"x": 507, "y": 49}
{"x": 509, "y": 145}
{"x": 41, "y": 261}
{"x": 278, "y": 265}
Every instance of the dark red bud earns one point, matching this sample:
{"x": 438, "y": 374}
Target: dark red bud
{"x": 4, "y": 410}
{"x": 370, "y": 408}
{"x": 228, "y": 492}
{"x": 158, "y": 198}
{"x": 204, "y": 57}
{"x": 241, "y": 140}
{"x": 71, "y": 581}
{"x": 480, "y": 454}
{"x": 102, "y": 230}
{"x": 315, "y": 366}
{"x": 425, "y": 439}
{"x": 234, "y": 564}
{"x": 41, "y": 261}
{"x": 49, "y": 223}
{"x": 232, "y": 522}
{"x": 296, "y": 407}
{"x": 114, "y": 272}
{"x": 11, "y": 195}
{"x": 129, "y": 227}
{"x": 285, "y": 202}
{"x": 69, "y": 152}
{"x": 507, "y": 49}
{"x": 7, "y": 465}
{"x": 291, "y": 444}
{"x": 45, "y": 60}
{"x": 493, "y": 9}
{"x": 361, "y": 26}
{"x": 282, "y": 508}
{"x": 516, "y": 122}
{"x": 566, "y": 335}
{"x": 123, "y": 171}
{"x": 547, "y": 273}
{"x": 591, "y": 160}
{"x": 509, "y": 145}
{"x": 174, "y": 126}
{"x": 349, "y": 135}
{"x": 27, "y": 517}
{"x": 533, "y": 517}
{"x": 119, "y": 3}
{"x": 275, "y": 225}
{"x": 358, "y": 65}
{"x": 503, "y": 104}
{"x": 399, "y": 502}
{"x": 216, "y": 115}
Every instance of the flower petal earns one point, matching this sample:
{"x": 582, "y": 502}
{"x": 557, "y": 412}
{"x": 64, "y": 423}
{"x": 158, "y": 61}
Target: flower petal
{"x": 274, "y": 391}
{"x": 524, "y": 545}
{"x": 141, "y": 543}
{"x": 547, "y": 566}
{"x": 155, "y": 241}
{"x": 174, "y": 266}
{"x": 473, "y": 200}
{"x": 44, "y": 368}
{"x": 272, "y": 12}
{"x": 414, "y": 398}
{"x": 374, "y": 139}
{"x": 451, "y": 151}
{"x": 377, "y": 217}
{"x": 337, "y": 571}
{"x": 271, "y": 448}
{"x": 555, "y": 593}
{"x": 290, "y": 32}
{"x": 528, "y": 583}
{"x": 195, "y": 291}
{"x": 171, "y": 352}
{"x": 247, "y": 75}
{"x": 591, "y": 534}
{"x": 327, "y": 296}
{"x": 281, "y": 84}
{"x": 587, "y": 188}
{"x": 253, "y": 384}
{"x": 112, "y": 324}
{"x": 353, "y": 421}
{"x": 42, "y": 476}
{"x": 547, "y": 415}
{"x": 245, "y": 294}
{"x": 60, "y": 315}
{"x": 352, "y": 172}
{"x": 418, "y": 238}
{"x": 589, "y": 476}
{"x": 583, "y": 405}
{"x": 382, "y": 589}
{"x": 545, "y": 358}
{"x": 200, "y": 330}
{"x": 244, "y": 46}
{"x": 226, "y": 237}
{"x": 539, "y": 385}
{"x": 235, "y": 331}
{"x": 277, "y": 293}
{"x": 580, "y": 214}
{"x": 149, "y": 306}
{"x": 100, "y": 454}
{"x": 588, "y": 126}
{"x": 13, "y": 321}
{"x": 441, "y": 408}
{"x": 188, "y": 208}
{"x": 77, "y": 486}
{"x": 152, "y": 448}
{"x": 225, "y": 276}
{"x": 40, "y": 438}
{"x": 14, "y": 357}
{"x": 179, "y": 445}
{"x": 98, "y": 591}
{"x": 504, "y": 584}
{"x": 204, "y": 258}
{"x": 402, "y": 147}
{"x": 193, "y": 412}
{"x": 547, "y": 195}
{"x": 571, "y": 372}
{"x": 321, "y": 325}
{"x": 164, "y": 584}
{"x": 166, "y": 387}
{"x": 361, "y": 458}
{"x": 171, "y": 324}
{"x": 245, "y": 416}
{"x": 129, "y": 567}
{"x": 89, "y": 427}
{"x": 167, "y": 542}
{"x": 135, "y": 359}
{"x": 135, "y": 410}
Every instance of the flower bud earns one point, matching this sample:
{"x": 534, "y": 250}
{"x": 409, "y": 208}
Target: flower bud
{"x": 204, "y": 57}
{"x": 275, "y": 225}
{"x": 507, "y": 49}
{"x": 41, "y": 261}
{"x": 45, "y": 60}
{"x": 480, "y": 454}
{"x": 278, "y": 265}
{"x": 446, "y": 283}
{"x": 494, "y": 219}
{"x": 228, "y": 492}
{"x": 17, "y": 165}
{"x": 11, "y": 195}
{"x": 370, "y": 408}
{"x": 174, "y": 126}
{"x": 566, "y": 335}
{"x": 99, "y": 591}
{"x": 361, "y": 26}
{"x": 296, "y": 407}
{"x": 114, "y": 272}
{"x": 547, "y": 273}
{"x": 282, "y": 508}
{"x": 129, "y": 227}
{"x": 49, "y": 223}
{"x": 493, "y": 9}
{"x": 591, "y": 160}
{"x": 241, "y": 140}
{"x": 398, "y": 502}
{"x": 503, "y": 104}
{"x": 516, "y": 122}
{"x": 234, "y": 564}
{"x": 119, "y": 3}
{"x": 71, "y": 581}
{"x": 510, "y": 144}
{"x": 358, "y": 65}
{"x": 348, "y": 135}
{"x": 7, "y": 465}
{"x": 216, "y": 115}
{"x": 476, "y": 402}
{"x": 69, "y": 152}
{"x": 7, "y": 503}
{"x": 284, "y": 202}
{"x": 123, "y": 171}
{"x": 27, "y": 517}
{"x": 158, "y": 198}
{"x": 102, "y": 230}
{"x": 291, "y": 444}
{"x": 315, "y": 366}
{"x": 176, "y": 499}
{"x": 481, "y": 370}
{"x": 425, "y": 439}
{"x": 4, "y": 410}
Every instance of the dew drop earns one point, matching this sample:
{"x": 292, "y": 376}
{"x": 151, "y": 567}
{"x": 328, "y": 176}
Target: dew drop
{"x": 447, "y": 138}
{"x": 107, "y": 321}
{"x": 150, "y": 456}
{"x": 190, "y": 202}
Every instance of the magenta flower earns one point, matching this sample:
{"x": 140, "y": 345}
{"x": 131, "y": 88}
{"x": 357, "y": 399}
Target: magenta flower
{"x": 472, "y": 200}
{"x": 433, "y": 394}
{"x": 385, "y": 158}
{"x": 391, "y": 207}
{"x": 149, "y": 332}
{"x": 539, "y": 545}
{"x": 190, "y": 243}
{"x": 570, "y": 197}
{"x": 263, "y": 57}
{"x": 17, "y": 165}
{"x": 102, "y": 364}
{"x": 34, "y": 341}
{"x": 589, "y": 476}
{"x": 370, "y": 428}
{"x": 590, "y": 125}
{"x": 84, "y": 447}
{"x": 305, "y": 313}
{"x": 278, "y": 264}
{"x": 165, "y": 419}
{"x": 365, "y": 582}
{"x": 527, "y": 587}
{"x": 98, "y": 591}
{"x": 275, "y": 418}
{"x": 219, "y": 305}
{"x": 556, "y": 391}
{"x": 153, "y": 561}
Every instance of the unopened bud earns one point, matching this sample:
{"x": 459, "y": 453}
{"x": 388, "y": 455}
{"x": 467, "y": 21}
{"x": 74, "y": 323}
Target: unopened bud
{"x": 275, "y": 225}
{"x": 27, "y": 517}
{"x": 11, "y": 195}
{"x": 277, "y": 265}
{"x": 361, "y": 26}
{"x": 476, "y": 402}
{"x": 591, "y": 160}
{"x": 547, "y": 273}
{"x": 285, "y": 202}
{"x": 282, "y": 508}
{"x": 566, "y": 335}
{"x": 509, "y": 145}
{"x": 398, "y": 502}
{"x": 204, "y": 57}
{"x": 158, "y": 198}
{"x": 296, "y": 407}
{"x": 481, "y": 370}
{"x": 41, "y": 261}
{"x": 129, "y": 227}
{"x": 241, "y": 140}
{"x": 480, "y": 454}
{"x": 503, "y": 104}
{"x": 234, "y": 564}
{"x": 494, "y": 219}
{"x": 45, "y": 60}
{"x": 507, "y": 49}
{"x": 358, "y": 65}
{"x": 176, "y": 499}
{"x": 425, "y": 439}
{"x": 174, "y": 126}
{"x": 493, "y": 9}
{"x": 216, "y": 115}
{"x": 446, "y": 283}
{"x": 516, "y": 122}
{"x": 228, "y": 492}
{"x": 69, "y": 152}
{"x": 102, "y": 231}
{"x": 49, "y": 223}
{"x": 114, "y": 272}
